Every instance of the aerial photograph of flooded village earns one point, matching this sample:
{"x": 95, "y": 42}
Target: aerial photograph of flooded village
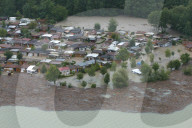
{"x": 95, "y": 63}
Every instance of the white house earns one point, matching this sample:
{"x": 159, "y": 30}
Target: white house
{"x": 137, "y": 71}
{"x": 64, "y": 71}
{"x": 32, "y": 69}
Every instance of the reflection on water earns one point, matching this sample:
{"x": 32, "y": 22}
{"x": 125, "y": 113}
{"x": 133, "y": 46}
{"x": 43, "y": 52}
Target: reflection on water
{"x": 35, "y": 118}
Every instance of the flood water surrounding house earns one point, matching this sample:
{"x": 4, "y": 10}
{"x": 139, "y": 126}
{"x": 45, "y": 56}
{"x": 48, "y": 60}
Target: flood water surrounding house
{"x": 25, "y": 117}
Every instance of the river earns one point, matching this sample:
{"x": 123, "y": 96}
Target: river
{"x": 130, "y": 24}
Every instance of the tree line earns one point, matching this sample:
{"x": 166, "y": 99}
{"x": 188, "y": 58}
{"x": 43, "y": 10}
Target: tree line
{"x": 56, "y": 10}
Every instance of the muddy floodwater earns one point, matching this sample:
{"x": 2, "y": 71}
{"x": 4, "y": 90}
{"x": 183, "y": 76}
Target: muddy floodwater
{"x": 130, "y": 24}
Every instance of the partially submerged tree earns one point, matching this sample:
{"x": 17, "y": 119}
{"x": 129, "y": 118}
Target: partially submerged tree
{"x": 123, "y": 54}
{"x": 174, "y": 64}
{"x": 152, "y": 58}
{"x": 84, "y": 84}
{"x": 120, "y": 78}
{"x": 43, "y": 69}
{"x": 97, "y": 26}
{"x": 185, "y": 58}
{"x": 112, "y": 25}
{"x": 52, "y": 73}
{"x": 133, "y": 62}
{"x": 79, "y": 76}
{"x": 107, "y": 78}
{"x": 113, "y": 66}
{"x": 155, "y": 67}
{"x": 168, "y": 53}
{"x": 103, "y": 70}
{"x": 154, "y": 19}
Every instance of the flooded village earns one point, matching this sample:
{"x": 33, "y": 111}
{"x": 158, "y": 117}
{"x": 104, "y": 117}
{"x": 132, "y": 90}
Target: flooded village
{"x": 73, "y": 65}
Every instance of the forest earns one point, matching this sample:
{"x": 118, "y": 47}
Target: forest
{"x": 176, "y": 13}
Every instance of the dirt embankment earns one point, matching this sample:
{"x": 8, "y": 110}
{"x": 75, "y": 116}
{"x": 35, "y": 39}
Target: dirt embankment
{"x": 160, "y": 97}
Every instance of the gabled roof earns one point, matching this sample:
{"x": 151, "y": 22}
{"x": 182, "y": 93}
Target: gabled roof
{"x": 63, "y": 69}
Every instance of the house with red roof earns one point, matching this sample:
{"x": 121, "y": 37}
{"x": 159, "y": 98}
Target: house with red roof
{"x": 65, "y": 71}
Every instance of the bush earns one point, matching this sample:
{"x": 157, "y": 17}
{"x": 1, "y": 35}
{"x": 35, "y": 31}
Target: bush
{"x": 93, "y": 86}
{"x": 70, "y": 85}
{"x": 63, "y": 84}
{"x": 188, "y": 71}
{"x": 84, "y": 84}
{"x": 174, "y": 64}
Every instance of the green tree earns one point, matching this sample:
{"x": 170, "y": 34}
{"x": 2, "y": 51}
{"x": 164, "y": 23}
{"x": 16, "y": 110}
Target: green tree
{"x": 91, "y": 71}
{"x": 103, "y": 70}
{"x": 115, "y": 36}
{"x": 59, "y": 13}
{"x": 155, "y": 67}
{"x": 188, "y": 71}
{"x": 43, "y": 69}
{"x": 133, "y": 62}
{"x": 19, "y": 55}
{"x": 3, "y": 24}
{"x": 154, "y": 18}
{"x": 97, "y": 26}
{"x": 146, "y": 71}
{"x": 3, "y": 32}
{"x": 152, "y": 58}
{"x": 120, "y": 78}
{"x": 52, "y": 73}
{"x": 112, "y": 25}
{"x": 32, "y": 25}
{"x": 185, "y": 58}
{"x": 124, "y": 65}
{"x": 25, "y": 33}
{"x": 147, "y": 50}
{"x": 8, "y": 54}
{"x": 113, "y": 66}
{"x": 174, "y": 64}
{"x": 84, "y": 84}
{"x": 18, "y": 14}
{"x": 79, "y": 76}
{"x": 132, "y": 42}
{"x": 107, "y": 78}
{"x": 188, "y": 28}
{"x": 168, "y": 53}
{"x": 123, "y": 54}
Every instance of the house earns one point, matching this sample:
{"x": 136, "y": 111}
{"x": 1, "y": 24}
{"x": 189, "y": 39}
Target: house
{"x": 32, "y": 69}
{"x": 189, "y": 47}
{"x": 57, "y": 29}
{"x": 65, "y": 71}
{"x": 84, "y": 64}
{"x": 73, "y": 68}
{"x": 24, "y": 67}
{"x": 100, "y": 52}
{"x": 12, "y": 67}
{"x": 3, "y": 18}
{"x": 164, "y": 43}
{"x": 47, "y": 36}
{"x": 80, "y": 53}
{"x": 38, "y": 53}
{"x": 92, "y": 56}
{"x": 5, "y": 46}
